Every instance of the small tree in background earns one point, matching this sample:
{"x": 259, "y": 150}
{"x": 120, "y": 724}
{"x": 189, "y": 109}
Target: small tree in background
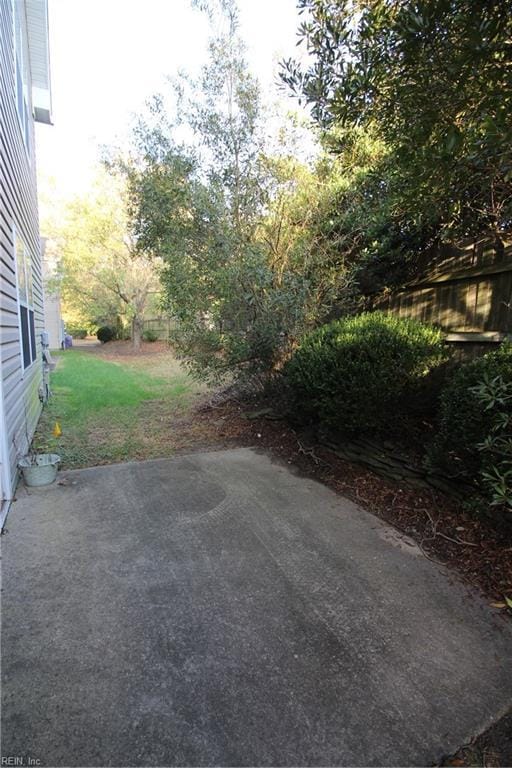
{"x": 101, "y": 273}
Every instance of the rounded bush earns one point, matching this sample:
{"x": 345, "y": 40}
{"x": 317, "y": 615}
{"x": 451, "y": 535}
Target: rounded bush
{"x": 463, "y": 422}
{"x": 150, "y": 335}
{"x": 354, "y": 374}
{"x": 105, "y": 333}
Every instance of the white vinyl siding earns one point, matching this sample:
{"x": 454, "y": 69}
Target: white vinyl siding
{"x": 18, "y": 220}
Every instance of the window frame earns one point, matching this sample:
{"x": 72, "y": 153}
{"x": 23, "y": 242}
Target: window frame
{"x": 21, "y": 78}
{"x": 26, "y": 310}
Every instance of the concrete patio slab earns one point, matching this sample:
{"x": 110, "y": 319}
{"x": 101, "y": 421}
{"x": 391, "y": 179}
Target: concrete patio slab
{"x": 217, "y": 609}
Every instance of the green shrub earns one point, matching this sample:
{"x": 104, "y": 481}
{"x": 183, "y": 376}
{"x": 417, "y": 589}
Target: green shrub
{"x": 495, "y": 395}
{"x": 105, "y": 333}
{"x": 76, "y": 332}
{"x": 150, "y": 335}
{"x": 356, "y": 374}
{"x": 464, "y": 423}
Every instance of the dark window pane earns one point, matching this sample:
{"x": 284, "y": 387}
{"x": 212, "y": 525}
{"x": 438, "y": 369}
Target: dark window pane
{"x": 32, "y": 335}
{"x": 25, "y": 337}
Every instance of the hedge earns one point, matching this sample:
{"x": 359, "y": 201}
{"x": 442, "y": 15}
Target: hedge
{"x": 463, "y": 423}
{"x": 356, "y": 374}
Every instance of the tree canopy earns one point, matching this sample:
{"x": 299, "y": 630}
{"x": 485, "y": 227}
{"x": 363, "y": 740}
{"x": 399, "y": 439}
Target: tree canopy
{"x": 432, "y": 79}
{"x": 258, "y": 242}
{"x": 101, "y": 275}
{"x": 235, "y": 214}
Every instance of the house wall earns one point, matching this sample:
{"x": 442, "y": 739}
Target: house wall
{"x": 18, "y": 217}
{"x": 53, "y": 321}
{"x": 53, "y": 324}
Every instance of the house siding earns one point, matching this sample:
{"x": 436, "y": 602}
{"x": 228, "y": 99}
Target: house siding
{"x": 53, "y": 324}
{"x": 18, "y": 218}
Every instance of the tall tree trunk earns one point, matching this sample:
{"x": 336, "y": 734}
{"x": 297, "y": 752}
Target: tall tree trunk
{"x": 137, "y": 326}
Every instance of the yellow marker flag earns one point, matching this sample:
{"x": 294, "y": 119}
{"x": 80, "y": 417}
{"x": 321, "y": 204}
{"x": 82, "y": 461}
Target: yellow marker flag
{"x": 57, "y": 431}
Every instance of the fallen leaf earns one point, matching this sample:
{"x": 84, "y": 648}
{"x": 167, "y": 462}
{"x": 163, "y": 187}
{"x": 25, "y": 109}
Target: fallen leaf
{"x": 499, "y": 605}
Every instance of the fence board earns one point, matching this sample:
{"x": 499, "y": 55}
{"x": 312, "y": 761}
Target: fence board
{"x": 467, "y": 289}
{"x": 162, "y": 326}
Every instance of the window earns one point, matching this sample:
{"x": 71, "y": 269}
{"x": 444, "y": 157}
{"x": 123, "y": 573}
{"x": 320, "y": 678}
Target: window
{"x": 21, "y": 73}
{"x": 26, "y": 303}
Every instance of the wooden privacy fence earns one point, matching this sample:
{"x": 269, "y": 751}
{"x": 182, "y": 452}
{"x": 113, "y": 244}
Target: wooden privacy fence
{"x": 467, "y": 292}
{"x": 162, "y": 326}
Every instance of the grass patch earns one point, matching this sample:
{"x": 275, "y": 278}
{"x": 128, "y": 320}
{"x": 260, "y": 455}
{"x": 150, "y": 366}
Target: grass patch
{"x": 113, "y": 410}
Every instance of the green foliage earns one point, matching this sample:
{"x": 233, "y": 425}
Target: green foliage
{"x": 354, "y": 374}
{"x": 150, "y": 335}
{"x": 433, "y": 81}
{"x": 105, "y": 333}
{"x": 464, "y": 423}
{"x": 101, "y": 275}
{"x": 495, "y": 395}
{"x": 76, "y": 332}
{"x": 250, "y": 259}
{"x": 363, "y": 218}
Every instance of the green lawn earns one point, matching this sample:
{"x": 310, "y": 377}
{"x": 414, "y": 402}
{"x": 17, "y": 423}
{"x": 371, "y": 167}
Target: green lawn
{"x": 113, "y": 410}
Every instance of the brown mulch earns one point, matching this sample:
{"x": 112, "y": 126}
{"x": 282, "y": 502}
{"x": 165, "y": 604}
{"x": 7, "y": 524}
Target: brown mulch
{"x": 448, "y": 534}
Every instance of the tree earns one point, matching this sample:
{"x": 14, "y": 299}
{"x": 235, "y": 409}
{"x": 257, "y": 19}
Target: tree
{"x": 432, "y": 79}
{"x": 199, "y": 207}
{"x": 253, "y": 255}
{"x": 101, "y": 272}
